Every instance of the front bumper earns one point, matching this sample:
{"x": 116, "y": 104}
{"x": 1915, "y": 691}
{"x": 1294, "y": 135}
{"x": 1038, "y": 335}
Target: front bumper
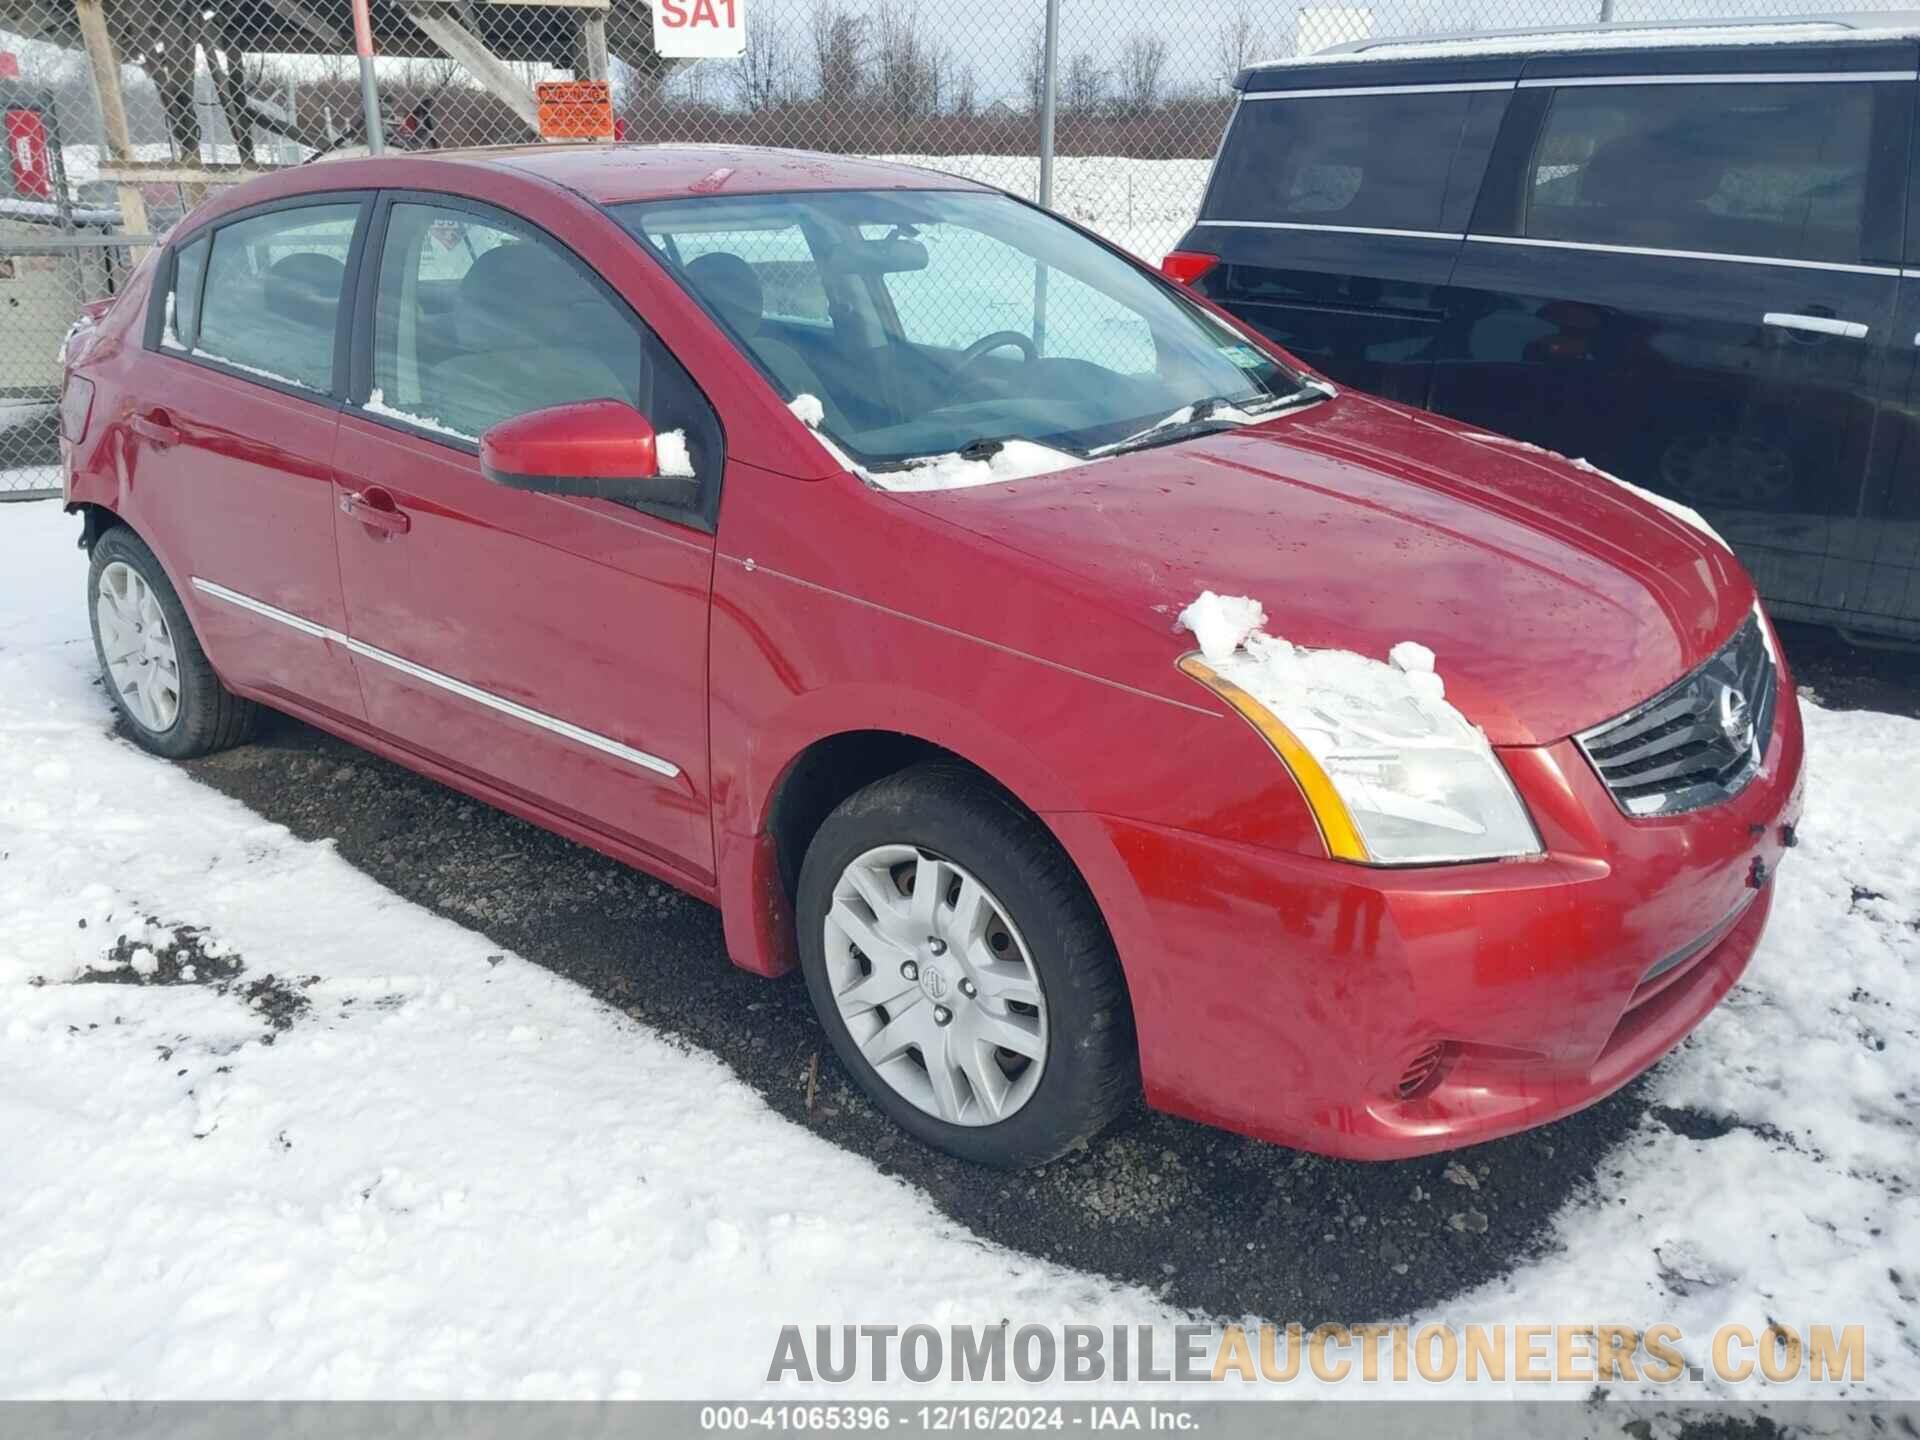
{"x": 1376, "y": 1014}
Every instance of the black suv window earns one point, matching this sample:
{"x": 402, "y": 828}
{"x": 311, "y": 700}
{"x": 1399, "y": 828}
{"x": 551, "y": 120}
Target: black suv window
{"x": 1766, "y": 169}
{"x": 1379, "y": 161}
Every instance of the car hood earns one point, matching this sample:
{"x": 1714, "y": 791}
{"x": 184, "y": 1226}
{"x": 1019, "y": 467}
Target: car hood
{"x": 1553, "y": 597}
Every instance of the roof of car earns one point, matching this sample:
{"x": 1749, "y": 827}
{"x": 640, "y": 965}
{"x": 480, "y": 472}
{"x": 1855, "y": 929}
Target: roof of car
{"x": 1793, "y": 43}
{"x": 610, "y": 173}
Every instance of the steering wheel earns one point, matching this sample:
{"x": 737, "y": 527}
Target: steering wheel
{"x": 987, "y": 344}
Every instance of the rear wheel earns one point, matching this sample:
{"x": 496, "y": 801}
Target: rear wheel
{"x": 961, "y": 970}
{"x": 150, "y": 659}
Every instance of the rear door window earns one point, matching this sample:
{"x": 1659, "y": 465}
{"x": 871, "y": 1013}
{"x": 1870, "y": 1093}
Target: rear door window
{"x": 271, "y": 305}
{"x": 180, "y": 323}
{"x": 1375, "y": 161}
{"x": 1763, "y": 169}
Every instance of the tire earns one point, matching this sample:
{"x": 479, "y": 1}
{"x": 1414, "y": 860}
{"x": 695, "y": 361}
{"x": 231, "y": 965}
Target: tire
{"x": 1040, "y": 931}
{"x": 193, "y": 715}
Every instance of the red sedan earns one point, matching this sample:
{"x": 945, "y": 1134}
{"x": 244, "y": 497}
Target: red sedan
{"x": 829, "y": 539}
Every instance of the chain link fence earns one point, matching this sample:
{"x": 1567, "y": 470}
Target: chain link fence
{"x": 120, "y": 114}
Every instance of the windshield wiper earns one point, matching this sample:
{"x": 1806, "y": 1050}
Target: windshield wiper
{"x": 982, "y": 449}
{"x": 1204, "y": 417}
{"x": 1200, "y": 418}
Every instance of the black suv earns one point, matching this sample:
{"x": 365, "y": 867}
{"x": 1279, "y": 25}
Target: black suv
{"x": 1675, "y": 252}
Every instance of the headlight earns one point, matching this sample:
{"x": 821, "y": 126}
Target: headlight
{"x": 1393, "y": 773}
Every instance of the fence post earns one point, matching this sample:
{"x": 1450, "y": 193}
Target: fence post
{"x": 369, "y": 92}
{"x": 1049, "y": 88}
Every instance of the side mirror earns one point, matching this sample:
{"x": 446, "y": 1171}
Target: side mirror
{"x": 604, "y": 449}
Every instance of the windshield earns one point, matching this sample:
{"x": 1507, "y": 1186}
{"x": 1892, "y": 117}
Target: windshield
{"x": 940, "y": 323}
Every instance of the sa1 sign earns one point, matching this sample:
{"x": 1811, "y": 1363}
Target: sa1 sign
{"x": 692, "y": 28}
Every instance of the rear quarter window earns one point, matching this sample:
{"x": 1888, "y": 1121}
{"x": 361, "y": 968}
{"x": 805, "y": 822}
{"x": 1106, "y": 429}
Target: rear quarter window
{"x": 1376, "y": 161}
{"x": 1763, "y": 169}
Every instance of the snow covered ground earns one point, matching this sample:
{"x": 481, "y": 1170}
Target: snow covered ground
{"x": 269, "y": 1130}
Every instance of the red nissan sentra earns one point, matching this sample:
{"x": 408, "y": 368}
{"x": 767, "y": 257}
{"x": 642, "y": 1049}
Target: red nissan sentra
{"x": 1084, "y": 696}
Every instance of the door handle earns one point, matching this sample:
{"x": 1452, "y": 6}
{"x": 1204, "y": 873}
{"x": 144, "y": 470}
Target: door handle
{"x": 157, "y": 427}
{"x": 1816, "y": 324}
{"x": 374, "y": 508}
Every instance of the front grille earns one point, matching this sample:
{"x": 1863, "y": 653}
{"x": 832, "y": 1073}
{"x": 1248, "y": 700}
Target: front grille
{"x": 1696, "y": 743}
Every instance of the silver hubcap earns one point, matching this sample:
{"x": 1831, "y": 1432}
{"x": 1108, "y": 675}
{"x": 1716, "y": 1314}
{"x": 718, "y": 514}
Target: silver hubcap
{"x": 141, "y": 660}
{"x": 935, "y": 985}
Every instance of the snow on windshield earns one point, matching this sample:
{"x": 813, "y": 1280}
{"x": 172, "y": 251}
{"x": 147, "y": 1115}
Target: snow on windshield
{"x": 1014, "y": 460}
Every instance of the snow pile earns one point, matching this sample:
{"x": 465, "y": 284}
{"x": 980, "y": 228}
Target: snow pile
{"x": 1231, "y": 630}
{"x": 670, "y": 452}
{"x": 1014, "y": 460}
{"x": 1221, "y": 622}
{"x": 1685, "y": 514}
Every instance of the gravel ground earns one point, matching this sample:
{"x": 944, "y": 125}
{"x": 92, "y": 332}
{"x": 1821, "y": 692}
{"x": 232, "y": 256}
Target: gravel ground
{"x": 1211, "y": 1221}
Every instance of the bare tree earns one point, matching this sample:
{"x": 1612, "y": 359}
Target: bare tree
{"x": 1234, "y": 45}
{"x": 1033, "y": 71}
{"x": 1083, "y": 86}
{"x": 763, "y": 78}
{"x": 1143, "y": 66}
{"x": 839, "y": 50}
{"x": 900, "y": 68}
{"x": 965, "y": 99}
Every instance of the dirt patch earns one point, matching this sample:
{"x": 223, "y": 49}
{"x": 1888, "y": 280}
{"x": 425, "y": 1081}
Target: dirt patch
{"x": 186, "y": 955}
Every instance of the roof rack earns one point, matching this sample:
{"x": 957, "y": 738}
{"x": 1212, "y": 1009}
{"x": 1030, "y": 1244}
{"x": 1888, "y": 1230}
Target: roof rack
{"x": 1894, "y": 21}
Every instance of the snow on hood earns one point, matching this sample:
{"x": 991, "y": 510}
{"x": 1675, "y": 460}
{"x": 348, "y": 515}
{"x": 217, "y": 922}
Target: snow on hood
{"x": 1418, "y": 778}
{"x": 1232, "y": 633}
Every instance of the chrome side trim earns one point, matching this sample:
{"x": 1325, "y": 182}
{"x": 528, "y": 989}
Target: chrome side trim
{"x": 1753, "y": 77}
{"x": 1332, "y": 229}
{"x": 260, "y": 607}
{"x": 1597, "y": 248}
{"x": 1329, "y": 93}
{"x": 540, "y": 720}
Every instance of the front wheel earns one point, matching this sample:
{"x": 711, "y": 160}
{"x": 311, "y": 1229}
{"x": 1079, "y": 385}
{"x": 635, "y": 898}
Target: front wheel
{"x": 152, "y": 663}
{"x": 962, "y": 971}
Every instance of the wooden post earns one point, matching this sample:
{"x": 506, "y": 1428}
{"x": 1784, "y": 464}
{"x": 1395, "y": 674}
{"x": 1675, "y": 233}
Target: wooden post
{"x": 113, "y": 109}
